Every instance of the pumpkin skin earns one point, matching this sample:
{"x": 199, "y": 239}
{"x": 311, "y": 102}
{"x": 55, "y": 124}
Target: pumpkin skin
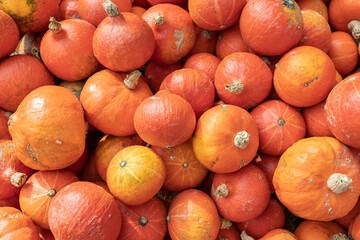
{"x": 279, "y": 234}
{"x": 10, "y": 202}
{"x": 314, "y": 5}
{"x": 345, "y": 221}
{"x": 227, "y": 232}
{"x": 144, "y": 221}
{"x": 10, "y": 165}
{"x": 268, "y": 165}
{"x": 9, "y": 34}
{"x": 241, "y": 205}
{"x": 272, "y": 217}
{"x": 341, "y": 105}
{"x": 108, "y": 89}
{"x": 243, "y": 79}
{"x": 183, "y": 169}
{"x": 204, "y": 62}
{"x": 66, "y": 49}
{"x": 4, "y": 118}
{"x": 193, "y": 215}
{"x": 16, "y": 225}
{"x": 341, "y": 13}
{"x": 120, "y": 53}
{"x": 108, "y": 146}
{"x": 74, "y": 208}
{"x": 264, "y": 37}
{"x": 309, "y": 195}
{"x": 33, "y": 15}
{"x": 33, "y": 72}
{"x": 38, "y": 192}
{"x": 68, "y": 9}
{"x": 215, "y": 15}
{"x": 135, "y": 175}
{"x": 301, "y": 84}
{"x": 174, "y": 32}
{"x": 141, "y": 3}
{"x": 165, "y": 120}
{"x": 43, "y": 139}
{"x": 205, "y": 41}
{"x": 45, "y": 234}
{"x": 93, "y": 11}
{"x": 225, "y": 139}
{"x": 280, "y": 126}
{"x": 343, "y": 52}
{"x": 315, "y": 119}
{"x": 308, "y": 230}
{"x": 177, "y": 2}
{"x": 354, "y": 227}
{"x": 138, "y": 10}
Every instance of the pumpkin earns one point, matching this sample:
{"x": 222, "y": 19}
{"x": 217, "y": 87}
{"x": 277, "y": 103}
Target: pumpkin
{"x": 166, "y": 196}
{"x": 174, "y": 32}
{"x": 192, "y": 85}
{"x": 314, "y": 5}
{"x": 10, "y": 202}
{"x": 276, "y": 234}
{"x": 243, "y": 79}
{"x": 225, "y": 139}
{"x": 45, "y": 234}
{"x": 9, "y": 34}
{"x": 326, "y": 190}
{"x": 315, "y": 119}
{"x": 90, "y": 173}
{"x": 304, "y": 76}
{"x": 177, "y": 2}
{"x": 4, "y": 118}
{"x": 74, "y": 86}
{"x": 343, "y": 52}
{"x": 141, "y": 3}
{"x": 272, "y": 217}
{"x": 84, "y": 210}
{"x": 16, "y": 225}
{"x": 165, "y": 120}
{"x": 103, "y": 98}
{"x": 214, "y": 15}
{"x": 268, "y": 165}
{"x": 193, "y": 215}
{"x": 144, "y": 221}
{"x": 205, "y": 41}
{"x": 341, "y": 107}
{"x": 68, "y": 9}
{"x": 354, "y": 227}
{"x": 43, "y": 138}
{"x": 79, "y": 165}
{"x": 242, "y": 195}
{"x": 155, "y": 73}
{"x": 308, "y": 230}
{"x": 31, "y": 15}
{"x": 108, "y": 146}
{"x": 33, "y": 72}
{"x": 38, "y": 192}
{"x": 280, "y": 126}
{"x": 279, "y": 26}
{"x": 204, "y": 62}
{"x": 228, "y": 231}
{"x": 183, "y": 170}
{"x": 230, "y": 41}
{"x": 113, "y": 49}
{"x": 135, "y": 174}
{"x": 345, "y": 221}
{"x": 93, "y": 12}
{"x": 29, "y": 44}
{"x": 138, "y": 10}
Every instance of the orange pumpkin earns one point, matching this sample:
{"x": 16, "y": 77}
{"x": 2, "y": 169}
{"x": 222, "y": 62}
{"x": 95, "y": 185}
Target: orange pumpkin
{"x": 205, "y": 41}
{"x": 68, "y": 9}
{"x": 228, "y": 231}
{"x": 138, "y": 10}
{"x": 354, "y": 227}
{"x": 324, "y": 192}
{"x": 346, "y": 220}
{"x": 314, "y": 5}
{"x": 204, "y": 62}
{"x": 315, "y": 119}
{"x": 135, "y": 175}
{"x": 268, "y": 165}
{"x": 279, "y": 234}
{"x": 9, "y": 34}
{"x": 304, "y": 76}
{"x": 4, "y": 118}
{"x": 45, "y": 139}
{"x": 225, "y": 139}
{"x": 308, "y": 230}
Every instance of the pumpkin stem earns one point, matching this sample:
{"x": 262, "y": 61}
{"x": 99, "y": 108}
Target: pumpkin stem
{"x": 225, "y": 224}
{"x": 244, "y": 236}
{"x": 266, "y": 60}
{"x": 51, "y": 192}
{"x": 110, "y": 8}
{"x": 354, "y": 27}
{"x": 236, "y": 87}
{"x": 339, "y": 183}
{"x": 206, "y": 33}
{"x": 54, "y": 25}
{"x": 242, "y": 139}
{"x": 222, "y": 191}
{"x": 18, "y": 179}
{"x": 159, "y": 20}
{"x": 132, "y": 79}
{"x": 340, "y": 236}
{"x": 35, "y": 52}
{"x": 143, "y": 221}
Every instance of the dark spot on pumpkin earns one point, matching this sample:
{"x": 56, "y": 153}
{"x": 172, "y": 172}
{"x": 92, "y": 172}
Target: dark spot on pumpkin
{"x": 143, "y": 221}
{"x": 51, "y": 192}
{"x": 308, "y": 83}
{"x": 123, "y": 163}
{"x": 290, "y": 4}
{"x": 32, "y": 154}
{"x": 281, "y": 122}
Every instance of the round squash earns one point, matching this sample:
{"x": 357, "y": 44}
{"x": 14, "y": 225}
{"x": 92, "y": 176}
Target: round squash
{"x": 354, "y": 227}
{"x": 314, "y": 5}
{"x": 68, "y": 9}
{"x": 228, "y": 231}
{"x": 205, "y": 41}
{"x": 308, "y": 230}
{"x": 268, "y": 165}
{"x": 9, "y": 36}
{"x": 315, "y": 120}
{"x": 276, "y": 234}
{"x": 204, "y": 62}
{"x": 138, "y": 10}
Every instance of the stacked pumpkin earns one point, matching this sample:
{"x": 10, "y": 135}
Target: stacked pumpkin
{"x": 176, "y": 119}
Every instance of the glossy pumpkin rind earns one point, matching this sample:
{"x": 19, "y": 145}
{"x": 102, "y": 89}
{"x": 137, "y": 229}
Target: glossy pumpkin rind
{"x": 268, "y": 165}
{"x": 68, "y": 9}
{"x": 315, "y": 119}
{"x": 204, "y": 62}
{"x": 341, "y": 12}
{"x": 9, "y": 34}
{"x": 317, "y": 230}
{"x": 279, "y": 234}
{"x": 314, "y": 5}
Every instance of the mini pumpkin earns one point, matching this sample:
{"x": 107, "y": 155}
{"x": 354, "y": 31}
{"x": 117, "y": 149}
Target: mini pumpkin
{"x": 9, "y": 34}
{"x": 319, "y": 230}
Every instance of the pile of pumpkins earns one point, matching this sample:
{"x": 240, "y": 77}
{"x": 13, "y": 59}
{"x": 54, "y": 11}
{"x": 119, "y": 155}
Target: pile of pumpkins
{"x": 176, "y": 119}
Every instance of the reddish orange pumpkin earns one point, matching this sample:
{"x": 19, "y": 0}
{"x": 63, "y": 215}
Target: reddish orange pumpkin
{"x": 315, "y": 119}
{"x": 204, "y": 62}
{"x": 319, "y": 230}
{"x": 228, "y": 231}
{"x": 10, "y": 202}
{"x": 193, "y": 215}
{"x": 243, "y": 79}
{"x": 165, "y": 120}
{"x": 45, "y": 139}
{"x": 135, "y": 175}
{"x": 141, "y": 3}
{"x": 45, "y": 234}
{"x": 183, "y": 169}
{"x": 304, "y": 76}
{"x": 33, "y": 72}
{"x": 38, "y": 192}
{"x": 346, "y": 220}
{"x": 79, "y": 165}
{"x": 144, "y": 221}
{"x": 120, "y": 53}
{"x": 138, "y": 10}
{"x": 280, "y": 126}
{"x": 214, "y": 15}
{"x": 4, "y": 118}
{"x": 68, "y": 9}
{"x": 277, "y": 234}
{"x": 272, "y": 217}
{"x": 16, "y": 225}
{"x": 205, "y": 41}
{"x": 174, "y": 32}
{"x": 84, "y": 210}
{"x": 354, "y": 227}
{"x": 110, "y": 99}
{"x": 279, "y": 26}
{"x": 314, "y": 5}
{"x": 268, "y": 165}
{"x": 9, "y": 34}
{"x": 225, "y": 139}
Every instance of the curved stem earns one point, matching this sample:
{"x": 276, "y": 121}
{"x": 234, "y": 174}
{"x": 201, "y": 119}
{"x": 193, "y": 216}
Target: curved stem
{"x": 132, "y": 80}
{"x": 110, "y": 8}
{"x": 54, "y": 25}
{"x": 225, "y": 224}
{"x": 159, "y": 20}
{"x": 18, "y": 179}
{"x": 354, "y": 27}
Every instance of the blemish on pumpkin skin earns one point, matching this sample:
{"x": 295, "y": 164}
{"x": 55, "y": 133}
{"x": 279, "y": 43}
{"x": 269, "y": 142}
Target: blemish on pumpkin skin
{"x": 31, "y": 153}
{"x": 308, "y": 83}
{"x": 180, "y": 38}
